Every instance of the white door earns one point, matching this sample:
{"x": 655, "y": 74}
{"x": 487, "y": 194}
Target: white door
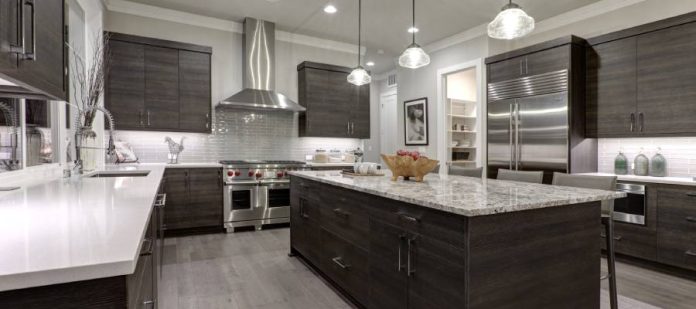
{"x": 388, "y": 124}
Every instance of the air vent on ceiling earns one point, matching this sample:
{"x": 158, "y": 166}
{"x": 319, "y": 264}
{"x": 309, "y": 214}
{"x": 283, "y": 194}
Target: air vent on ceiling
{"x": 391, "y": 80}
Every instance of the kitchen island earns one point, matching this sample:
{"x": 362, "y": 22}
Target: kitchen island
{"x": 449, "y": 242}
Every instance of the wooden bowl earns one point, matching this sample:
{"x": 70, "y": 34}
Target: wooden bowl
{"x": 406, "y": 167}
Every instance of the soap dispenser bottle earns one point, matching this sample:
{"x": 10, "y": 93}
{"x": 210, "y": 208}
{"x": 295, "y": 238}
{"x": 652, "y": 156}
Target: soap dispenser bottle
{"x": 621, "y": 164}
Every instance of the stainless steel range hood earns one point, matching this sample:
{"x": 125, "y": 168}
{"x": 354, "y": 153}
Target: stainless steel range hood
{"x": 259, "y": 72}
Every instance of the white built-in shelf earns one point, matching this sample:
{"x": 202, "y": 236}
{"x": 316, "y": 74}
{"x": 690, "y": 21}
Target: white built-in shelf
{"x": 457, "y": 131}
{"x": 463, "y": 147}
{"x": 462, "y": 116}
{"x": 456, "y": 101}
{"x": 463, "y": 161}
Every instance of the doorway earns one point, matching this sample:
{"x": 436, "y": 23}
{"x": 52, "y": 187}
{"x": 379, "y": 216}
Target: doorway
{"x": 388, "y": 122}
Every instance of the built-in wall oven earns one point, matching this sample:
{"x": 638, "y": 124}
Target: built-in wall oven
{"x": 257, "y": 193}
{"x": 631, "y": 209}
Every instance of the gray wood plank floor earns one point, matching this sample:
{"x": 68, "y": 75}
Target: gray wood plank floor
{"x": 252, "y": 270}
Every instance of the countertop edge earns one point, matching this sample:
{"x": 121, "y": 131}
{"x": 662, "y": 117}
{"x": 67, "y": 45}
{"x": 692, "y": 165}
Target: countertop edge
{"x": 464, "y": 212}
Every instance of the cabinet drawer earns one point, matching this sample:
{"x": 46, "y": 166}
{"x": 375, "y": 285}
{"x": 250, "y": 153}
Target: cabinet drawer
{"x": 305, "y": 188}
{"x": 347, "y": 265}
{"x": 633, "y": 241}
{"x": 343, "y": 215}
{"x": 419, "y": 219}
{"x": 139, "y": 284}
{"x": 676, "y": 226}
{"x": 304, "y": 228}
{"x": 505, "y": 70}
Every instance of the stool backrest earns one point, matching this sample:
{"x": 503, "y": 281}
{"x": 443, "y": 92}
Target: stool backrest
{"x": 464, "y": 171}
{"x": 522, "y": 176}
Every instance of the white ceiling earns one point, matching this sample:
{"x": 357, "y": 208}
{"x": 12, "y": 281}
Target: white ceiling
{"x": 384, "y": 21}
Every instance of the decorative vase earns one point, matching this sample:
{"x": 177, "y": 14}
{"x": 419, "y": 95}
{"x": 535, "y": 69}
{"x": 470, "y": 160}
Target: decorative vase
{"x": 641, "y": 163}
{"x": 407, "y": 167}
{"x": 620, "y": 164}
{"x": 658, "y": 164}
{"x": 89, "y": 149}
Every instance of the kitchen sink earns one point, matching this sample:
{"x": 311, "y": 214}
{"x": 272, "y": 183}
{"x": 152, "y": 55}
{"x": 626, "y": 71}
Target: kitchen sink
{"x": 111, "y": 174}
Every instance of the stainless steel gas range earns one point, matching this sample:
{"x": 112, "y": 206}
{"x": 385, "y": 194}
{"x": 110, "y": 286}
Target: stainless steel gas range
{"x": 257, "y": 192}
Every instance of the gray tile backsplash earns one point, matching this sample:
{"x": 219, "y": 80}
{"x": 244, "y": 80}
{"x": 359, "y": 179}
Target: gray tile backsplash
{"x": 680, "y": 153}
{"x": 237, "y": 134}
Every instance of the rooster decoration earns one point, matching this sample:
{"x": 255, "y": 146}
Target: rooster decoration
{"x": 174, "y": 149}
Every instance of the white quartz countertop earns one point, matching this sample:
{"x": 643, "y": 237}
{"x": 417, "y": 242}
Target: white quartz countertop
{"x": 465, "y": 196}
{"x": 335, "y": 164}
{"x": 684, "y": 181}
{"x": 193, "y": 165}
{"x": 72, "y": 230}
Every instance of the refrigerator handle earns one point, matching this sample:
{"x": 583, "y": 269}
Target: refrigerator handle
{"x": 512, "y": 148}
{"x": 517, "y": 136}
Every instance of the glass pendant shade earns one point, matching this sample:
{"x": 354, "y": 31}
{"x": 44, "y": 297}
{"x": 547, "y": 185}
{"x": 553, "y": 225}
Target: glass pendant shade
{"x": 511, "y": 23}
{"x": 359, "y": 76}
{"x": 414, "y": 57}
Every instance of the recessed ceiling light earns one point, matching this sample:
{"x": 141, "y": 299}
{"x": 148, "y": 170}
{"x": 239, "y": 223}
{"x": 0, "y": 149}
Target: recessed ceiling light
{"x": 330, "y": 9}
{"x": 370, "y": 63}
{"x": 412, "y": 30}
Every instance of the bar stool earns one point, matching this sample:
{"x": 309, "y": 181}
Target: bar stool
{"x": 522, "y": 176}
{"x": 602, "y": 183}
{"x": 466, "y": 171}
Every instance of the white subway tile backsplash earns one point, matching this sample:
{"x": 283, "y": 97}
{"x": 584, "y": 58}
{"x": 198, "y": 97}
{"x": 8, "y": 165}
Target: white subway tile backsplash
{"x": 237, "y": 135}
{"x": 680, "y": 153}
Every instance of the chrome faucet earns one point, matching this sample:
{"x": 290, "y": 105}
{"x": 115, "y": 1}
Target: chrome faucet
{"x": 110, "y": 149}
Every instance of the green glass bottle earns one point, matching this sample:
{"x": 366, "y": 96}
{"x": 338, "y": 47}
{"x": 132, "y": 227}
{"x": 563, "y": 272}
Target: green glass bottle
{"x": 641, "y": 163}
{"x": 658, "y": 164}
{"x": 620, "y": 164}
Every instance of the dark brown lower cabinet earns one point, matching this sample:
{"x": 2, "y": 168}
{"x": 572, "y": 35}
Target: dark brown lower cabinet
{"x": 194, "y": 200}
{"x": 138, "y": 290}
{"x": 676, "y": 233}
{"x": 409, "y": 256}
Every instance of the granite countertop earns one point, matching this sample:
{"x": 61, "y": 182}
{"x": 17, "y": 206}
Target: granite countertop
{"x": 192, "y": 165}
{"x": 71, "y": 230}
{"x": 684, "y": 181}
{"x": 465, "y": 196}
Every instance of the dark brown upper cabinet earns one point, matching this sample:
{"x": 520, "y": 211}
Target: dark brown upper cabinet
{"x": 158, "y": 85}
{"x": 544, "y": 58}
{"x": 642, "y": 81}
{"x": 335, "y": 108}
{"x": 32, "y": 46}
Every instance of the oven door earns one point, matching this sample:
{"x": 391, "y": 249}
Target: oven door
{"x": 242, "y": 202}
{"x": 277, "y": 199}
{"x": 632, "y": 208}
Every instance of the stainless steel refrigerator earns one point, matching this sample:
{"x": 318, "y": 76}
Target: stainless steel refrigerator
{"x": 534, "y": 126}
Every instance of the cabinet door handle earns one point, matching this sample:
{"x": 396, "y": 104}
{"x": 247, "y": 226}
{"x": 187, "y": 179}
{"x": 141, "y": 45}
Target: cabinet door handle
{"x": 302, "y": 209}
{"x": 408, "y": 218}
{"x": 148, "y": 118}
{"x": 147, "y": 243}
{"x": 617, "y": 238}
{"x": 521, "y": 71}
{"x": 348, "y": 127}
{"x": 207, "y": 120}
{"x": 30, "y": 55}
{"x": 690, "y": 253}
{"x": 409, "y": 269}
{"x": 140, "y": 116}
{"x": 641, "y": 122}
{"x": 19, "y": 47}
{"x": 149, "y": 304}
{"x": 691, "y": 219}
{"x": 633, "y": 121}
{"x": 161, "y": 200}
{"x": 352, "y": 128}
{"x": 399, "y": 265}
{"x": 341, "y": 213}
{"x": 526, "y": 65}
{"x": 339, "y": 261}
{"x": 691, "y": 194}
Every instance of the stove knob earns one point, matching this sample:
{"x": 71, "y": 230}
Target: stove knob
{"x": 230, "y": 173}
{"x": 251, "y": 173}
{"x": 280, "y": 174}
{"x": 259, "y": 174}
{"x": 237, "y": 173}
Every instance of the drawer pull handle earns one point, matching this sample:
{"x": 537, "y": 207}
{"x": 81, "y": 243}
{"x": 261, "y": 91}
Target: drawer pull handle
{"x": 149, "y": 304}
{"x": 339, "y": 261}
{"x": 341, "y": 213}
{"x": 691, "y": 219}
{"x": 408, "y": 218}
{"x": 690, "y": 253}
{"x": 161, "y": 200}
{"x": 691, "y": 194}
{"x": 617, "y": 238}
{"x": 303, "y": 213}
{"x": 146, "y": 247}
{"x": 409, "y": 270}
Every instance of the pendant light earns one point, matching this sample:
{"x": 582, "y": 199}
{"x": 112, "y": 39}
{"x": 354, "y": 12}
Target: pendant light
{"x": 359, "y": 76}
{"x": 511, "y": 23}
{"x": 414, "y": 56}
